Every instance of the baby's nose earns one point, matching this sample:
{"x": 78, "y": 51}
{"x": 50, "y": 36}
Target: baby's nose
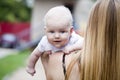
{"x": 57, "y": 35}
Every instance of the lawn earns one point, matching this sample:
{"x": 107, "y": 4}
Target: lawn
{"x": 12, "y": 62}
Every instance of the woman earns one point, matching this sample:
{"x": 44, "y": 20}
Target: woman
{"x": 100, "y": 59}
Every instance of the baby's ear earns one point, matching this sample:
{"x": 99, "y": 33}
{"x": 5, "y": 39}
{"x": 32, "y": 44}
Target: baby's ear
{"x": 45, "y": 28}
{"x": 71, "y": 29}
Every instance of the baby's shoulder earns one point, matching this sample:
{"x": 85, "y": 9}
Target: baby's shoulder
{"x": 76, "y": 36}
{"x": 44, "y": 40}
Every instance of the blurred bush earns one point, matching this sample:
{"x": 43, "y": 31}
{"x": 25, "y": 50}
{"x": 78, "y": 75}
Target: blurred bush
{"x": 14, "y": 11}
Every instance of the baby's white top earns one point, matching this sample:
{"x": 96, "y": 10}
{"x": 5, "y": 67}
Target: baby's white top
{"x": 44, "y": 45}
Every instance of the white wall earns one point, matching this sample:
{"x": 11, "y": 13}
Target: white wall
{"x": 39, "y": 10}
{"x": 82, "y": 10}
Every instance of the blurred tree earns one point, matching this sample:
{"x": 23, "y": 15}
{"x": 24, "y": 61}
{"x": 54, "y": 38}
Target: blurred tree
{"x": 14, "y": 11}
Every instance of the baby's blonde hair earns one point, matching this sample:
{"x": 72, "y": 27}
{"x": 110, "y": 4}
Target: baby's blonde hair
{"x": 61, "y": 12}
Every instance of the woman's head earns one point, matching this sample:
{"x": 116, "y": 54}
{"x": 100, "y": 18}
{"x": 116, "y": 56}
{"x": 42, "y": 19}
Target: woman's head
{"x": 101, "y": 57}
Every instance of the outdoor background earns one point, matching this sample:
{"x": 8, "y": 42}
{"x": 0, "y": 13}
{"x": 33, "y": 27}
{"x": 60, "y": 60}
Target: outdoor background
{"x": 21, "y": 28}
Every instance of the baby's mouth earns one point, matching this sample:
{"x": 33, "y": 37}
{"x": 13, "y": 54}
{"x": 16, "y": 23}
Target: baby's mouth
{"x": 57, "y": 41}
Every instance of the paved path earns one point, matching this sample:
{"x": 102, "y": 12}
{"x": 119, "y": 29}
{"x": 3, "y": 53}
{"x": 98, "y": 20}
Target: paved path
{"x": 6, "y": 51}
{"x": 21, "y": 74}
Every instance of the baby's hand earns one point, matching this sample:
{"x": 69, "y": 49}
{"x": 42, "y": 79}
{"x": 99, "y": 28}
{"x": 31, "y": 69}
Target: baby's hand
{"x": 31, "y": 71}
{"x": 67, "y": 50}
{"x": 48, "y": 52}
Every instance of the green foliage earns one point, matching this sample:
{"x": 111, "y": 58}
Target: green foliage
{"x": 14, "y": 11}
{"x": 12, "y": 62}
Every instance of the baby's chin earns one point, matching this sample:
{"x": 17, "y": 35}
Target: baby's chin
{"x": 58, "y": 46}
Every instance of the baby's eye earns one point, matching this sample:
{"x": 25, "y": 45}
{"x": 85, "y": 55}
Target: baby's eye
{"x": 62, "y": 31}
{"x": 51, "y": 31}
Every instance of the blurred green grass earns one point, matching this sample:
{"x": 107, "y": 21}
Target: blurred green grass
{"x": 12, "y": 62}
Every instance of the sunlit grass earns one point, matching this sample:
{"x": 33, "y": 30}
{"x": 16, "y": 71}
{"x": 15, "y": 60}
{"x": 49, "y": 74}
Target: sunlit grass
{"x": 12, "y": 62}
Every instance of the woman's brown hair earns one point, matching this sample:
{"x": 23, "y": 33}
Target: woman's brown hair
{"x": 100, "y": 59}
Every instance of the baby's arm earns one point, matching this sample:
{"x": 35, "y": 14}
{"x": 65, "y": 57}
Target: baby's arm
{"x": 77, "y": 45}
{"x": 72, "y": 48}
{"x": 33, "y": 58}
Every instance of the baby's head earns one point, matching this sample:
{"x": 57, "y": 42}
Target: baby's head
{"x": 58, "y": 26}
{"x": 58, "y": 16}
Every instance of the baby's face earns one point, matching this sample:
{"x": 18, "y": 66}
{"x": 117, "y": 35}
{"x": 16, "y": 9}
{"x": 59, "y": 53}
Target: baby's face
{"x": 58, "y": 35}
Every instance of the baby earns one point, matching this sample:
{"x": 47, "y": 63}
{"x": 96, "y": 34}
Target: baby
{"x": 59, "y": 36}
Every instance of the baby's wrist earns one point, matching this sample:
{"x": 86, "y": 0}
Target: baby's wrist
{"x": 31, "y": 71}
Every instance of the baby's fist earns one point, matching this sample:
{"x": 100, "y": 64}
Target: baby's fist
{"x": 30, "y": 71}
{"x": 67, "y": 50}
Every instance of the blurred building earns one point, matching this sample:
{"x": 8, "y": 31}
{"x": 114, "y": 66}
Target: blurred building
{"x": 79, "y": 9}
